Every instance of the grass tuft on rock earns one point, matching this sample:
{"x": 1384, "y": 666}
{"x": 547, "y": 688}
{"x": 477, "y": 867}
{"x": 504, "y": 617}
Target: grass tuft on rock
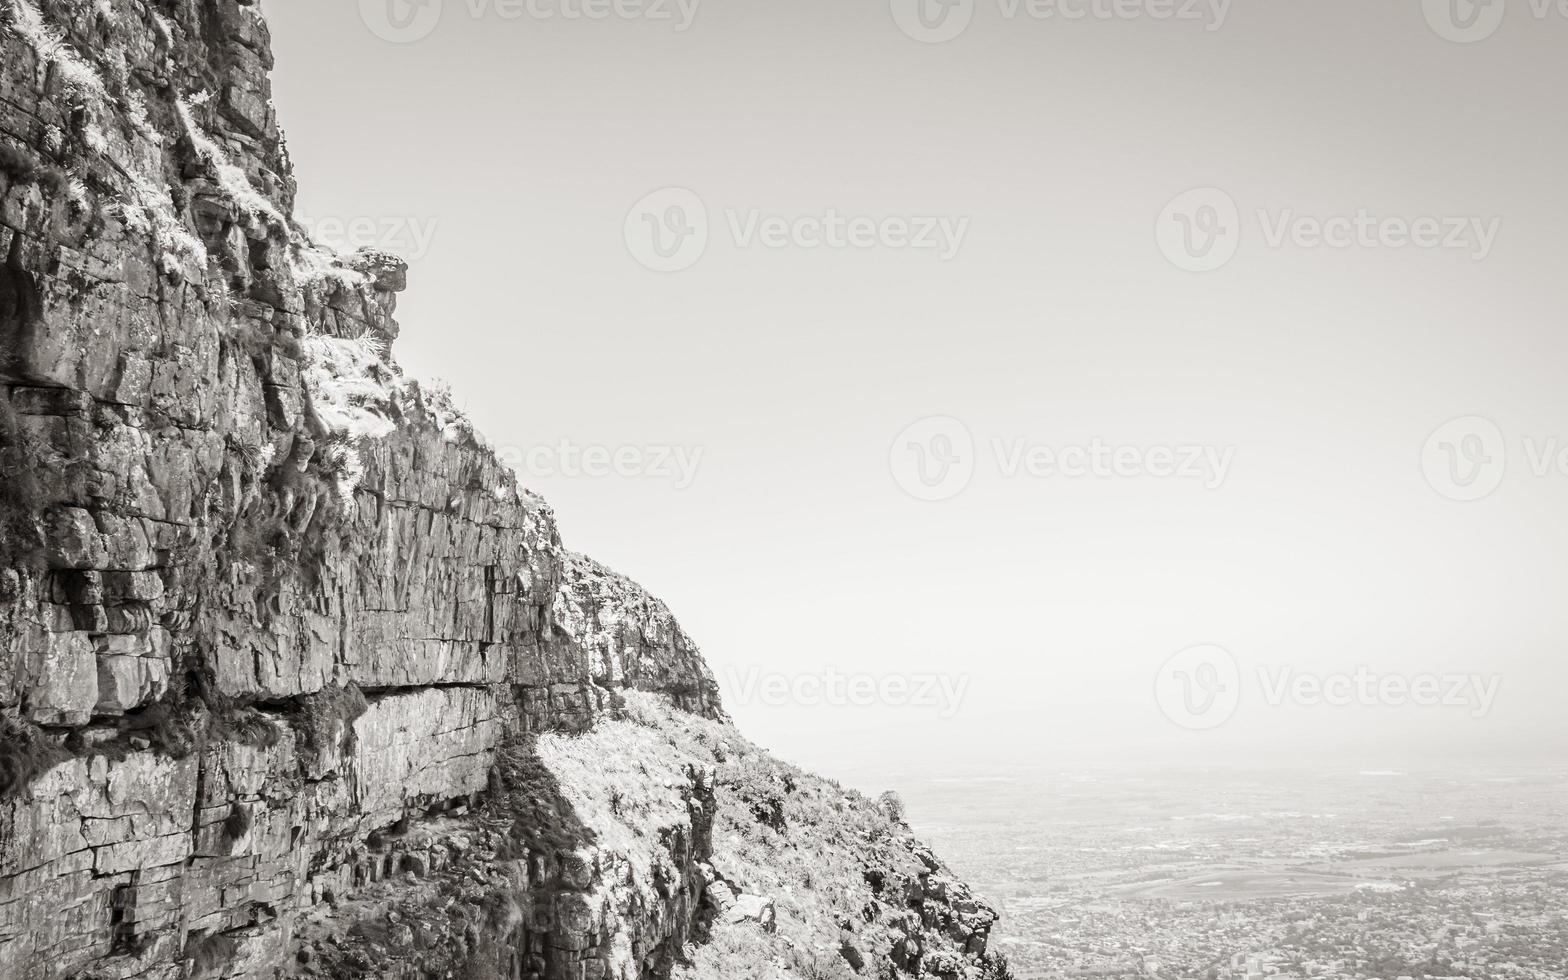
{"x": 329, "y": 714}
{"x": 26, "y": 753}
{"x": 810, "y": 845}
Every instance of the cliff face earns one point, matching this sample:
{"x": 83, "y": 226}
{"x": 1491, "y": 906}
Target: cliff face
{"x": 292, "y": 671}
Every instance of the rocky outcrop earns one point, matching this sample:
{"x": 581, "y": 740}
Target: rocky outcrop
{"x": 278, "y": 633}
{"x": 612, "y": 630}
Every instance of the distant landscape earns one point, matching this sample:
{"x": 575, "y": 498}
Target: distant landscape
{"x": 1205, "y": 874}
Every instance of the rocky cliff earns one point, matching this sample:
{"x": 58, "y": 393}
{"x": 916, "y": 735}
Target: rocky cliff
{"x": 295, "y": 679}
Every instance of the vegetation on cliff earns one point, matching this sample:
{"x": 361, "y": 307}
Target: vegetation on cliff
{"x": 295, "y": 679}
{"x": 664, "y": 845}
{"x": 850, "y": 891}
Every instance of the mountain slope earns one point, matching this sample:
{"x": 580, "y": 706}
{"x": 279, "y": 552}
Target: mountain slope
{"x": 294, "y": 678}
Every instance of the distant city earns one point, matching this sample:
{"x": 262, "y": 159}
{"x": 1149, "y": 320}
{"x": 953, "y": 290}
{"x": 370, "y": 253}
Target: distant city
{"x": 1375, "y": 875}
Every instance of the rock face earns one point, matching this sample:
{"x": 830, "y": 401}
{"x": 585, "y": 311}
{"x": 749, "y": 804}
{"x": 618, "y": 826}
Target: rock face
{"x": 277, "y": 630}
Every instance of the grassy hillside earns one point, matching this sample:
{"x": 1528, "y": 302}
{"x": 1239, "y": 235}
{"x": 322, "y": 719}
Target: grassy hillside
{"x": 852, "y": 892}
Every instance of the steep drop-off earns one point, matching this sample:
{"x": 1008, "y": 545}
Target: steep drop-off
{"x": 295, "y": 679}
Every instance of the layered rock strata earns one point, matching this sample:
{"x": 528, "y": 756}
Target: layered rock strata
{"x": 277, "y": 630}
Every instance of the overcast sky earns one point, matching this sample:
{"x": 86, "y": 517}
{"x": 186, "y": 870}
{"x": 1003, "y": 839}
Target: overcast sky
{"x": 762, "y": 248}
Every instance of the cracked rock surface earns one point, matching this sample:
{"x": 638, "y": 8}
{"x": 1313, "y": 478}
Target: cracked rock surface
{"x": 279, "y": 634}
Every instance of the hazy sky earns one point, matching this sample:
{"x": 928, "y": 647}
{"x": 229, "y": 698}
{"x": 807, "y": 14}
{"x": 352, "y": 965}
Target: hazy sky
{"x": 1048, "y": 159}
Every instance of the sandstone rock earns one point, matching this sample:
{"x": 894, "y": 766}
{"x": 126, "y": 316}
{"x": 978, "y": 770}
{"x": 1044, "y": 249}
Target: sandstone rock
{"x": 225, "y": 559}
{"x": 61, "y": 679}
{"x": 756, "y": 909}
{"x": 74, "y": 540}
{"x": 720, "y": 895}
{"x": 437, "y": 743}
{"x": 128, "y": 682}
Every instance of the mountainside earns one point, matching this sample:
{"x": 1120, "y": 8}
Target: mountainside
{"x": 295, "y": 679}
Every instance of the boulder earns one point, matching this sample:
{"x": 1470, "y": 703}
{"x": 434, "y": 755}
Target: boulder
{"x": 758, "y": 909}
